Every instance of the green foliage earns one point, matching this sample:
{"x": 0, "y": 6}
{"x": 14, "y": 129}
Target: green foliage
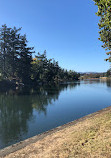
{"x": 15, "y": 56}
{"x": 47, "y": 70}
{"x": 16, "y": 61}
{"x": 104, "y": 12}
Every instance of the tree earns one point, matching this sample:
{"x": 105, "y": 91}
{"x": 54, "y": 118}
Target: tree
{"x": 43, "y": 69}
{"x": 39, "y": 65}
{"x": 16, "y": 61}
{"x": 104, "y": 12}
{"x": 47, "y": 70}
{"x": 13, "y": 50}
{"x": 15, "y": 56}
{"x": 4, "y": 47}
{"x": 24, "y": 60}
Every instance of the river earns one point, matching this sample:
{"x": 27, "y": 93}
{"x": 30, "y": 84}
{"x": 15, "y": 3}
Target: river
{"x": 27, "y": 112}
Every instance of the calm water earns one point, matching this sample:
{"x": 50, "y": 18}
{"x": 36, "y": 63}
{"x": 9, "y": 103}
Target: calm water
{"x": 25, "y": 113}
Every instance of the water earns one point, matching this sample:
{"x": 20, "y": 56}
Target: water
{"x": 28, "y": 112}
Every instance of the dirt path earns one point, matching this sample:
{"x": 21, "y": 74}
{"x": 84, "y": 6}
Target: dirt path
{"x": 90, "y": 137}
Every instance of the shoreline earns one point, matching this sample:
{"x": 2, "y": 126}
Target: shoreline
{"x": 6, "y": 85}
{"x": 22, "y": 144}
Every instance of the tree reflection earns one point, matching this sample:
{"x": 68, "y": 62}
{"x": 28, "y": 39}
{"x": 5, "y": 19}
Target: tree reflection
{"x": 108, "y": 82}
{"x": 14, "y": 113}
{"x": 16, "y": 109}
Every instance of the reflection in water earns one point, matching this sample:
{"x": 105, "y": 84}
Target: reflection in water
{"x": 108, "y": 83}
{"x": 14, "y": 113}
{"x": 16, "y": 109}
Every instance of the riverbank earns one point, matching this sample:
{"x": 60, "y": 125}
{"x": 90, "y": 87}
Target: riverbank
{"x": 89, "y": 136}
{"x": 7, "y": 85}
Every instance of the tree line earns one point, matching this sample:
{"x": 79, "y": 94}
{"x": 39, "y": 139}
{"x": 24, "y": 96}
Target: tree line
{"x": 18, "y": 63}
{"x": 95, "y": 75}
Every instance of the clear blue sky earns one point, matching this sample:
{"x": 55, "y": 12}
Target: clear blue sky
{"x": 66, "y": 29}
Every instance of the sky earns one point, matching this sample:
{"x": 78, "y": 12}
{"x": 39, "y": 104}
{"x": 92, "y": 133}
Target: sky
{"x": 66, "y": 29}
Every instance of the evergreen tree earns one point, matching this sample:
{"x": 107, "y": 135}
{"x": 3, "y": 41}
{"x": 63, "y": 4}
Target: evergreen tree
{"x": 4, "y": 48}
{"x": 24, "y": 60}
{"x": 104, "y": 12}
{"x": 15, "y": 56}
{"x": 14, "y": 51}
{"x": 16, "y": 61}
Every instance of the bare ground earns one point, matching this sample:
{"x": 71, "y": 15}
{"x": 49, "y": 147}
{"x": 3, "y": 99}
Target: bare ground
{"x": 89, "y": 138}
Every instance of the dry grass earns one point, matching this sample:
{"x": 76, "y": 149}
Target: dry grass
{"x": 90, "y": 138}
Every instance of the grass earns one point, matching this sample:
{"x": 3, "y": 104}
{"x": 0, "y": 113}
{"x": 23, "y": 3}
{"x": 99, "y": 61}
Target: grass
{"x": 89, "y": 138}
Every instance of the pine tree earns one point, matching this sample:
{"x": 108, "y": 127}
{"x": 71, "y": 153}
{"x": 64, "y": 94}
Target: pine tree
{"x": 24, "y": 60}
{"x": 4, "y": 48}
{"x": 15, "y": 56}
{"x": 14, "y": 50}
{"x": 104, "y": 12}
